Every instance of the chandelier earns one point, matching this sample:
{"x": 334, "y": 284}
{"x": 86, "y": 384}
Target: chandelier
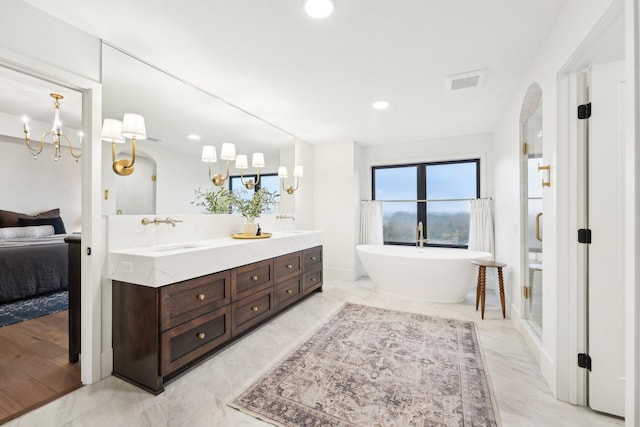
{"x": 56, "y": 134}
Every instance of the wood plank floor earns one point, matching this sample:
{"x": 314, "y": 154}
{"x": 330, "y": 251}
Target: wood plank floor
{"x": 34, "y": 364}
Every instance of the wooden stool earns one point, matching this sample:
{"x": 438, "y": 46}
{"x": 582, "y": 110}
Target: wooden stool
{"x": 482, "y": 282}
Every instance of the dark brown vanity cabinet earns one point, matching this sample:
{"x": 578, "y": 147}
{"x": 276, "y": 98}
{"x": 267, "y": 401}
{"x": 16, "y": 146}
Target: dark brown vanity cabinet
{"x": 159, "y": 332}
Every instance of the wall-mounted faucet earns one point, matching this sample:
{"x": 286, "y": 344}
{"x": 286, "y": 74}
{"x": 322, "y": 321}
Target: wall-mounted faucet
{"x": 420, "y": 240}
{"x": 291, "y": 217}
{"x": 147, "y": 221}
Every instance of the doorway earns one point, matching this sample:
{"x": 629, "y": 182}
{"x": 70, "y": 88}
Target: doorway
{"x": 602, "y": 152}
{"x": 41, "y": 180}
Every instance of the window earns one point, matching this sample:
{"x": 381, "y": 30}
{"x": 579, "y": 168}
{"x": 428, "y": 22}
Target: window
{"x": 269, "y": 182}
{"x": 445, "y": 186}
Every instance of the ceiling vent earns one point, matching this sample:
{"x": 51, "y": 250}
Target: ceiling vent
{"x": 465, "y": 80}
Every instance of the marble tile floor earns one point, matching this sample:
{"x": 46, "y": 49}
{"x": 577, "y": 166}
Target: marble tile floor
{"x": 199, "y": 397}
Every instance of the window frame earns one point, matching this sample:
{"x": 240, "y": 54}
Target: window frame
{"x": 247, "y": 177}
{"x": 421, "y": 176}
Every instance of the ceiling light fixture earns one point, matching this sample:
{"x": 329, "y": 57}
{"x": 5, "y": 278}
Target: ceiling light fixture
{"x": 55, "y": 132}
{"x": 319, "y": 9}
{"x": 380, "y": 105}
{"x": 193, "y": 137}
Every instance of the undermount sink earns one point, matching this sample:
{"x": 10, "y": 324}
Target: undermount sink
{"x": 176, "y": 247}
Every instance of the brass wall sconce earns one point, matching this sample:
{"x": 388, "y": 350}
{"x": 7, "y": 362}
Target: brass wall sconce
{"x": 257, "y": 161}
{"x": 56, "y": 133}
{"x": 297, "y": 173}
{"x": 227, "y": 152}
{"x": 116, "y": 131}
{"x": 547, "y": 168}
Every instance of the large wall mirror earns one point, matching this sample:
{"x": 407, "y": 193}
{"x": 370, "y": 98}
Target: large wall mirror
{"x": 168, "y": 167}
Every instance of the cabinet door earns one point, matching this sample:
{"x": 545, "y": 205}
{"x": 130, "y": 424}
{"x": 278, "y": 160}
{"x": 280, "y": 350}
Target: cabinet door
{"x": 251, "y": 278}
{"x": 188, "y": 341}
{"x": 312, "y": 258}
{"x": 252, "y": 310}
{"x": 287, "y": 266}
{"x": 187, "y": 300}
{"x": 312, "y": 280}
{"x": 287, "y": 292}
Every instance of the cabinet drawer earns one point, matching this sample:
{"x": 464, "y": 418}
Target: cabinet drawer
{"x": 251, "y": 311}
{"x": 187, "y": 300}
{"x": 287, "y": 266}
{"x": 312, "y": 258}
{"x": 188, "y": 341}
{"x": 251, "y": 278}
{"x": 287, "y": 292}
{"x": 312, "y": 280}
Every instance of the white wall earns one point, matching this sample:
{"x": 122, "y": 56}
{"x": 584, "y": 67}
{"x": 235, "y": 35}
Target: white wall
{"x": 576, "y": 20}
{"x": 334, "y": 201}
{"x": 33, "y": 186}
{"x": 34, "y": 34}
{"x": 305, "y": 197}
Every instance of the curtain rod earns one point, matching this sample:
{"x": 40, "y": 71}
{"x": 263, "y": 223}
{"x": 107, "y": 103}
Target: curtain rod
{"x": 431, "y": 200}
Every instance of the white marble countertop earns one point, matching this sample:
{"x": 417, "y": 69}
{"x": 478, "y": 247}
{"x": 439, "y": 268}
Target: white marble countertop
{"x": 161, "y": 265}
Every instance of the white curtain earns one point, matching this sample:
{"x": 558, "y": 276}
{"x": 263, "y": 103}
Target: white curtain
{"x": 371, "y": 222}
{"x": 481, "y": 226}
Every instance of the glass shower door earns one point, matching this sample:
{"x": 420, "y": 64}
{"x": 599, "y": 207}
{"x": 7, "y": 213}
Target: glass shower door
{"x": 534, "y": 208}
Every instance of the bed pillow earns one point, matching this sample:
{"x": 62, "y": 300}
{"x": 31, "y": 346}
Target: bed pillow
{"x": 27, "y": 231}
{"x": 10, "y": 218}
{"x": 57, "y": 223}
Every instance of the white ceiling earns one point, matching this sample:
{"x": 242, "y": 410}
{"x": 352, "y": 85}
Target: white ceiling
{"x": 317, "y": 78}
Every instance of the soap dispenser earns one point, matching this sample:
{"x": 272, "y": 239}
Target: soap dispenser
{"x": 259, "y": 232}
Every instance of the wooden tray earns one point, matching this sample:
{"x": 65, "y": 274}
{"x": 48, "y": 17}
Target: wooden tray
{"x": 245, "y": 236}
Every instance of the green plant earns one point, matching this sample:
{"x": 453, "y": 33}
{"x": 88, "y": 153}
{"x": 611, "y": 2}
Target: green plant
{"x": 215, "y": 202}
{"x": 251, "y": 207}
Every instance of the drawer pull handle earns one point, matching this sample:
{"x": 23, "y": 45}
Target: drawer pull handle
{"x": 289, "y": 291}
{"x": 254, "y": 278}
{"x": 313, "y": 258}
{"x": 254, "y": 308}
{"x": 289, "y": 266}
{"x": 313, "y": 279}
{"x": 200, "y": 297}
{"x": 201, "y": 335}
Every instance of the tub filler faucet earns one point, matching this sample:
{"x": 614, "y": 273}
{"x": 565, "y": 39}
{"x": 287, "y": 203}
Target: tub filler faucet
{"x": 420, "y": 240}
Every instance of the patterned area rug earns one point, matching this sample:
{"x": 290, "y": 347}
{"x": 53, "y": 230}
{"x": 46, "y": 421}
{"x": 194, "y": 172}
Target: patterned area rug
{"x": 18, "y": 311}
{"x": 374, "y": 367}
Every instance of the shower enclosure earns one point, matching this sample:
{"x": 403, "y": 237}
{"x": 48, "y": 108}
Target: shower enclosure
{"x": 531, "y": 193}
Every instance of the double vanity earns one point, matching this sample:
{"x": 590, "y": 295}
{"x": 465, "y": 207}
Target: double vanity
{"x": 174, "y": 305}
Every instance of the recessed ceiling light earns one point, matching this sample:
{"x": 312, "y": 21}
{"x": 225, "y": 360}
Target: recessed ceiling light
{"x": 380, "y": 105}
{"x": 319, "y": 8}
{"x": 194, "y": 137}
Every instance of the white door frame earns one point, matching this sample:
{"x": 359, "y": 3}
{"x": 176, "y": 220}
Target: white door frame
{"x": 571, "y": 384}
{"x": 91, "y": 265}
{"x": 632, "y": 211}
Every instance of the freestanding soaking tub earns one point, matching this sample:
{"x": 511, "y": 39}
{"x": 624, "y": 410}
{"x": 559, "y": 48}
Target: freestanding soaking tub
{"x": 428, "y": 274}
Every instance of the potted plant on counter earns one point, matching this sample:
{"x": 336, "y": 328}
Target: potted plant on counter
{"x": 251, "y": 206}
{"x": 214, "y": 201}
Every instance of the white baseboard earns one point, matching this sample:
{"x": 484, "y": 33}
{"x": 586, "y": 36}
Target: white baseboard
{"x": 339, "y": 274}
{"x": 527, "y": 334}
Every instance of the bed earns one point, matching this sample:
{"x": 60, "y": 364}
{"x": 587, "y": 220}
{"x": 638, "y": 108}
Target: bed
{"x": 34, "y": 257}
